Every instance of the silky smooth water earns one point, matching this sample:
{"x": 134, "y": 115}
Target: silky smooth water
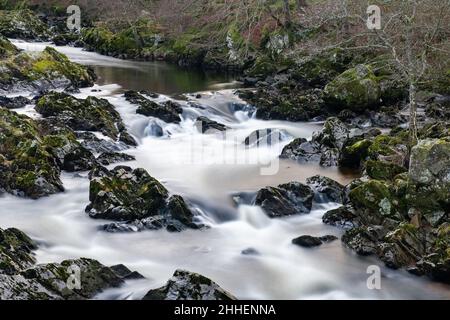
{"x": 280, "y": 270}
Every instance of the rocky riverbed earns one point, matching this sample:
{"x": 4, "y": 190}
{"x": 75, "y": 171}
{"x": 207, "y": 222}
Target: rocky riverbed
{"x": 119, "y": 159}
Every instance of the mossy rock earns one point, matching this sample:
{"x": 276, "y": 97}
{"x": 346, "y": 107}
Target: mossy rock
{"x": 91, "y": 114}
{"x": 374, "y": 196}
{"x": 383, "y": 170}
{"x": 319, "y": 69}
{"x": 353, "y": 154}
{"x": 27, "y": 167}
{"x": 355, "y": 89}
{"x": 23, "y": 24}
{"x": 7, "y": 49}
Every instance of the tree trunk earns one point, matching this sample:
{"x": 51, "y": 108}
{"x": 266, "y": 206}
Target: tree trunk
{"x": 413, "y": 139}
{"x": 287, "y": 13}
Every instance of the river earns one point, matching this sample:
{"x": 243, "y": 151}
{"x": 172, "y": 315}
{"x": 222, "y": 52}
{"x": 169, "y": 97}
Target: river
{"x": 279, "y": 271}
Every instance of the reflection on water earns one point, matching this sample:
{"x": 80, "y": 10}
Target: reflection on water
{"x": 162, "y": 78}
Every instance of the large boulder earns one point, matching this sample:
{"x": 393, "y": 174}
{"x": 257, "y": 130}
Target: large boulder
{"x": 185, "y": 285}
{"x": 21, "y": 279}
{"x": 356, "y": 89}
{"x": 13, "y": 102}
{"x": 168, "y": 111}
{"x": 285, "y": 200}
{"x": 91, "y": 114}
{"x": 133, "y": 196}
{"x": 324, "y": 147}
{"x": 46, "y": 70}
{"x": 28, "y": 166}
{"x": 319, "y": 69}
{"x": 23, "y": 24}
{"x": 430, "y": 162}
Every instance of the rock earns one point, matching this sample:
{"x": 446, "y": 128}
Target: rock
{"x": 364, "y": 240}
{"x": 90, "y": 141}
{"x": 343, "y": 217}
{"x": 353, "y": 153}
{"x": 250, "y": 252}
{"x": 13, "y": 103}
{"x": 324, "y": 147}
{"x": 21, "y": 279}
{"x": 334, "y": 134}
{"x": 430, "y": 162}
{"x": 375, "y": 198}
{"x": 326, "y": 189}
{"x": 285, "y": 200}
{"x": 288, "y": 103}
{"x": 128, "y": 195}
{"x": 46, "y": 70}
{"x": 168, "y": 111}
{"x": 266, "y": 137}
{"x": 95, "y": 278}
{"x": 356, "y": 89}
{"x": 91, "y": 114}
{"x": 319, "y": 69}
{"x": 387, "y": 118}
{"x": 23, "y": 24}
{"x": 206, "y": 125}
{"x": 383, "y": 170}
{"x": 185, "y": 285}
{"x": 28, "y": 166}
{"x": 125, "y": 273}
{"x": 15, "y": 251}
{"x": 7, "y": 49}
{"x": 108, "y": 158}
{"x": 309, "y": 241}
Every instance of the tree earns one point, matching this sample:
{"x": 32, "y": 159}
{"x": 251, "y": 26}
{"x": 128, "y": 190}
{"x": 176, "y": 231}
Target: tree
{"x": 414, "y": 34}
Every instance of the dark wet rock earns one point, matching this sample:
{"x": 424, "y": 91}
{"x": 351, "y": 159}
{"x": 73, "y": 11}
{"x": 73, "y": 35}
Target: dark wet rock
{"x": 14, "y": 102}
{"x": 168, "y": 111}
{"x": 387, "y": 118}
{"x": 326, "y": 189}
{"x": 66, "y": 39}
{"x": 324, "y": 148}
{"x": 343, "y": 217}
{"x": 91, "y": 114}
{"x": 250, "y": 252}
{"x": 353, "y": 153}
{"x": 108, "y": 158}
{"x": 266, "y": 137}
{"x": 309, "y": 241}
{"x": 96, "y": 145}
{"x": 206, "y": 125}
{"x": 285, "y": 200}
{"x": 123, "y": 272}
{"x": 288, "y": 103}
{"x": 185, "y": 285}
{"x": 134, "y": 197}
{"x": 27, "y": 166}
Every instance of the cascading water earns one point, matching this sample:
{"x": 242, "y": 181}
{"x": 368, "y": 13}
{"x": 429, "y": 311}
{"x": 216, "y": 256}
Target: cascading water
{"x": 243, "y": 250}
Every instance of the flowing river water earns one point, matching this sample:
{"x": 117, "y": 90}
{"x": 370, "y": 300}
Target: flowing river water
{"x": 280, "y": 270}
